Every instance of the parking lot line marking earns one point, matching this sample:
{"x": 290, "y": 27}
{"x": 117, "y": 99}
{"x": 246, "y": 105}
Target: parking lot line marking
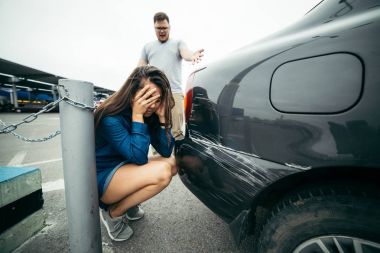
{"x": 17, "y": 159}
{"x": 53, "y": 185}
{"x": 40, "y": 162}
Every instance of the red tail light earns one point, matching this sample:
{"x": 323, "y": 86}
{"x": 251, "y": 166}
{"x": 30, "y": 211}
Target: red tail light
{"x": 188, "y": 101}
{"x": 188, "y": 104}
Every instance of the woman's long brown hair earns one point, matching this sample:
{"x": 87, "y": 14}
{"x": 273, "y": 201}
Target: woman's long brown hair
{"x": 122, "y": 99}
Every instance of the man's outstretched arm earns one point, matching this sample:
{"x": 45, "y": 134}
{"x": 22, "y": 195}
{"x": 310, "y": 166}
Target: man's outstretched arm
{"x": 194, "y": 57}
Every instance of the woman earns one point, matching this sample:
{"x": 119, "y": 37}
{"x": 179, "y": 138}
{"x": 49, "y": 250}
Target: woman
{"x": 125, "y": 125}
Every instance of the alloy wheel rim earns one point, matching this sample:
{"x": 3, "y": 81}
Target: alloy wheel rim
{"x": 337, "y": 244}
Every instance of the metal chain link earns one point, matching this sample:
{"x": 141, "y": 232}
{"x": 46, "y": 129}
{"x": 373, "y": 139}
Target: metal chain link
{"x": 70, "y": 101}
{"x": 50, "y": 136}
{"x": 47, "y": 108}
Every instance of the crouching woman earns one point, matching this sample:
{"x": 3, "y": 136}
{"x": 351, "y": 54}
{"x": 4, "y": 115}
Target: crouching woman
{"x": 126, "y": 124}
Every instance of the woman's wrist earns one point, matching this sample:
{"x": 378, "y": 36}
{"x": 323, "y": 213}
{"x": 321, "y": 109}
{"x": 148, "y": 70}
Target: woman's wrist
{"x": 162, "y": 125}
{"x": 161, "y": 119}
{"x": 136, "y": 117}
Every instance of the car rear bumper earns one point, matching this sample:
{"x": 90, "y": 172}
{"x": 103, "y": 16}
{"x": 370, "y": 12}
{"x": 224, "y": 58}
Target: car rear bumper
{"x": 225, "y": 180}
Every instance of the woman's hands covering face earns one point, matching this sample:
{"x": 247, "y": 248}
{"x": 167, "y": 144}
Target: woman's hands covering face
{"x": 143, "y": 99}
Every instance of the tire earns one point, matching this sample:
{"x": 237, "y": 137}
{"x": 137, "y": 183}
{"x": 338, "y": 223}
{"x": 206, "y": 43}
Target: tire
{"x": 323, "y": 219}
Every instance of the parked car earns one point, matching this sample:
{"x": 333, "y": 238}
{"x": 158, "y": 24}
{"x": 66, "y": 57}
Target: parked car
{"x": 5, "y": 104}
{"x": 283, "y": 136}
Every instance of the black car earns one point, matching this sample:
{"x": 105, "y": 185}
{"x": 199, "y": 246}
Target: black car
{"x": 283, "y": 136}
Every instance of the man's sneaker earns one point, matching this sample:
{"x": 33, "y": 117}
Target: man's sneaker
{"x": 134, "y": 213}
{"x": 117, "y": 228}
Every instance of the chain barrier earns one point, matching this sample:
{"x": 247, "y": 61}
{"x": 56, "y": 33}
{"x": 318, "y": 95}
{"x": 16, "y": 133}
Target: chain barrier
{"x": 10, "y": 129}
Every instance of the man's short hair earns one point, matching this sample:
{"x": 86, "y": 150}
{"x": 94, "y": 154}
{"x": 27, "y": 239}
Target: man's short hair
{"x": 160, "y": 16}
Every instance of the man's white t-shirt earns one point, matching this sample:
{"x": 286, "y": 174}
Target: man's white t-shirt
{"x": 166, "y": 56}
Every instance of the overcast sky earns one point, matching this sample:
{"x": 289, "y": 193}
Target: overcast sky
{"x": 101, "y": 41}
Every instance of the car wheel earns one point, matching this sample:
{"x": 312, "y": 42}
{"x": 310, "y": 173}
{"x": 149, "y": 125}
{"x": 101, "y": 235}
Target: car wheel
{"x": 323, "y": 219}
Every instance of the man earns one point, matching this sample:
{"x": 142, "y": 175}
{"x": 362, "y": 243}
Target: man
{"x": 167, "y": 54}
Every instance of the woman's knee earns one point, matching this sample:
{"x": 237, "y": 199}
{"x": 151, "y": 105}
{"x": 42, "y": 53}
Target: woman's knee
{"x": 164, "y": 173}
{"x": 174, "y": 170}
{"x": 172, "y": 163}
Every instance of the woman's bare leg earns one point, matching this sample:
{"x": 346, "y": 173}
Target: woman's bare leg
{"x": 133, "y": 184}
{"x": 170, "y": 160}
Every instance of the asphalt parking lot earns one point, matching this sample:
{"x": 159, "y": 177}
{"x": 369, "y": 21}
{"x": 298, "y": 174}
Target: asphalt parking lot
{"x": 175, "y": 220}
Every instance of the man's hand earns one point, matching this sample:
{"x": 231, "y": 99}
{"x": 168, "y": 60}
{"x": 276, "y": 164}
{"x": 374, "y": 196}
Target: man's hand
{"x": 197, "y": 56}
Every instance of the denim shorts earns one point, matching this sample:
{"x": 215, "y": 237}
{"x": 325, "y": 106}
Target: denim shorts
{"x": 104, "y": 178}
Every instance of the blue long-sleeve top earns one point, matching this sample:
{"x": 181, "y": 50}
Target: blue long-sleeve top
{"x": 119, "y": 140}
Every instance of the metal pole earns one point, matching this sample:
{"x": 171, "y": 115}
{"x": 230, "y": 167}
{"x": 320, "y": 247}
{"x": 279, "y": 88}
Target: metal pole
{"x": 14, "y": 96}
{"x": 78, "y": 153}
{"x": 54, "y": 92}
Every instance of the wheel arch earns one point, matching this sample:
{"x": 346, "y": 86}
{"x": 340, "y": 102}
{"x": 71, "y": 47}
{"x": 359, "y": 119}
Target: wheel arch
{"x": 266, "y": 199}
